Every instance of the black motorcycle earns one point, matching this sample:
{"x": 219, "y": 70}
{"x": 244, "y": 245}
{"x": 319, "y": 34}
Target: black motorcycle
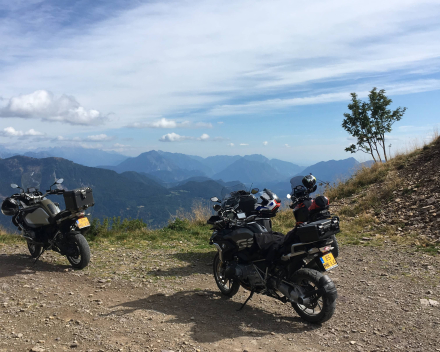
{"x": 287, "y": 268}
{"x": 46, "y": 227}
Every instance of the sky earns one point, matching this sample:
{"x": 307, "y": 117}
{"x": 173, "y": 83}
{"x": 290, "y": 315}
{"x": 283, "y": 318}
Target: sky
{"x": 214, "y": 77}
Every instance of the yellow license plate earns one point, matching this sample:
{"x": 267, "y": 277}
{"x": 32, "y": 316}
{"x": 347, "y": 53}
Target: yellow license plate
{"x": 83, "y": 222}
{"x": 328, "y": 261}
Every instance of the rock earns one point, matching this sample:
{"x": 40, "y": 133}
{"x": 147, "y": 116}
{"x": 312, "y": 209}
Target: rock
{"x": 433, "y": 303}
{"x": 431, "y": 200}
{"x": 366, "y": 238}
{"x": 352, "y": 342}
{"x": 74, "y": 344}
{"x": 429, "y": 292}
{"x": 424, "y": 302}
{"x": 37, "y": 349}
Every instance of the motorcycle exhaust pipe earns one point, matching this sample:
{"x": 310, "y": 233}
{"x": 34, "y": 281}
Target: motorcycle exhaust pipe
{"x": 294, "y": 294}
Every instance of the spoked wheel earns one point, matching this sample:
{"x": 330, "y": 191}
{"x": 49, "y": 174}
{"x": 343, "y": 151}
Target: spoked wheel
{"x": 78, "y": 251}
{"x": 323, "y": 303}
{"x": 228, "y": 287}
{"x": 34, "y": 249}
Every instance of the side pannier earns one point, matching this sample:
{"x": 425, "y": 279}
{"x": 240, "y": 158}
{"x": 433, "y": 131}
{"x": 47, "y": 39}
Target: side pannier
{"x": 318, "y": 230}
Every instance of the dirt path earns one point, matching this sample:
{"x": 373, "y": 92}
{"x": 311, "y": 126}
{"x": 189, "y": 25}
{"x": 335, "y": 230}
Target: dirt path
{"x": 131, "y": 300}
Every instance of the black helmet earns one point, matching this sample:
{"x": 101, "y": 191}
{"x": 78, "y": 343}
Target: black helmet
{"x": 9, "y": 207}
{"x": 309, "y": 181}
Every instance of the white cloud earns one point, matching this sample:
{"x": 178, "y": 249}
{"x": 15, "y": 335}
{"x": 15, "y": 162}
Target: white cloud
{"x": 244, "y": 144}
{"x": 203, "y": 137}
{"x": 100, "y": 138}
{"x": 265, "y": 143}
{"x": 287, "y": 146}
{"x": 12, "y": 132}
{"x": 165, "y": 123}
{"x": 231, "y": 144}
{"x": 94, "y": 138}
{"x": 174, "y": 137}
{"x": 43, "y": 105}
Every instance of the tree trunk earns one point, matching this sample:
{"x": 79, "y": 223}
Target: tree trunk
{"x": 371, "y": 152}
{"x": 384, "y": 148}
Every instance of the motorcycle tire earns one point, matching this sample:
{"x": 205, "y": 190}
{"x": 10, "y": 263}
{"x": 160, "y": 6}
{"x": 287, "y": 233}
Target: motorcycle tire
{"x": 324, "y": 307}
{"x": 228, "y": 287}
{"x": 335, "y": 245}
{"x": 34, "y": 249}
{"x": 80, "y": 256}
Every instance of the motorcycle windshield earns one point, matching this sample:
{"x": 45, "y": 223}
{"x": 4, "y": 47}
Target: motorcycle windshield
{"x": 230, "y": 196}
{"x": 31, "y": 180}
{"x": 296, "y": 181}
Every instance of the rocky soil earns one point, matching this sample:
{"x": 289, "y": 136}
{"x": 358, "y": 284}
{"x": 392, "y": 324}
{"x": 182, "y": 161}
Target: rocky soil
{"x": 414, "y": 206}
{"x": 146, "y": 300}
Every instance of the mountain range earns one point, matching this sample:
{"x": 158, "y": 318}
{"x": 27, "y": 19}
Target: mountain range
{"x": 155, "y": 184}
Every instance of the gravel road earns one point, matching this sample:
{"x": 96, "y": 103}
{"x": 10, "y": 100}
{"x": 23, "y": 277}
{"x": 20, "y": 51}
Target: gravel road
{"x": 151, "y": 300}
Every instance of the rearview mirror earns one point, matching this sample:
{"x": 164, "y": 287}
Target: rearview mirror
{"x": 59, "y": 181}
{"x": 214, "y": 199}
{"x": 13, "y": 185}
{"x": 289, "y": 196}
{"x": 255, "y": 190}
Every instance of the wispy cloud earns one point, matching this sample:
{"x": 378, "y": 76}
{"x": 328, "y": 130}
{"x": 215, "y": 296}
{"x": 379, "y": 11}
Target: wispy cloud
{"x": 43, "y": 105}
{"x": 171, "y": 52}
{"x": 94, "y": 138}
{"x": 174, "y": 137}
{"x": 165, "y": 123}
{"x": 272, "y": 104}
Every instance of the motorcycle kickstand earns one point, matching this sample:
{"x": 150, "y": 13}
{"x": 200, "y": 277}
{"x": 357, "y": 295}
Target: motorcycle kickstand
{"x": 247, "y": 300}
{"x": 39, "y": 255}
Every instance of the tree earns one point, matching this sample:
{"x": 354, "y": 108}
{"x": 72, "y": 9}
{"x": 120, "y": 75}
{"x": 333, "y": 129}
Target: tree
{"x": 369, "y": 121}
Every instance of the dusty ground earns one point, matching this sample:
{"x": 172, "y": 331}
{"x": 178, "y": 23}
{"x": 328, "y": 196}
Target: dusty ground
{"x": 136, "y": 300}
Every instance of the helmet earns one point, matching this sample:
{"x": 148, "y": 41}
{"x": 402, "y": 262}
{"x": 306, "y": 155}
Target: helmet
{"x": 270, "y": 202}
{"x": 9, "y": 207}
{"x": 309, "y": 181}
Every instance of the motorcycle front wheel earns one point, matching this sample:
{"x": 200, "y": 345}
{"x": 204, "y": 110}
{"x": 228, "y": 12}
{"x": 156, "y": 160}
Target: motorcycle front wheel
{"x": 78, "y": 251}
{"x": 228, "y": 287}
{"x": 322, "y": 306}
{"x": 34, "y": 249}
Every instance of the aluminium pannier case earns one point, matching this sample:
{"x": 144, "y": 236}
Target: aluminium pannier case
{"x": 79, "y": 199}
{"x": 318, "y": 230}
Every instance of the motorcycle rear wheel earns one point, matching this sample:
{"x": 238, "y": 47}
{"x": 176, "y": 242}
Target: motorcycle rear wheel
{"x": 228, "y": 287}
{"x": 323, "y": 307}
{"x": 335, "y": 245}
{"x": 34, "y": 249}
{"x": 79, "y": 256}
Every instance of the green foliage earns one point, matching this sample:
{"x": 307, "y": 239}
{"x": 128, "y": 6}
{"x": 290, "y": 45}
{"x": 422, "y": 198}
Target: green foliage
{"x": 178, "y": 224}
{"x": 369, "y": 121}
{"x": 113, "y": 225}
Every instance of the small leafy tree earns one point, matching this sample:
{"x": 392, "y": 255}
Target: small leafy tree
{"x": 369, "y": 121}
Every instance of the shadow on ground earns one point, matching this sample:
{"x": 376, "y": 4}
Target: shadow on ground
{"x": 18, "y": 264}
{"x": 213, "y": 318}
{"x": 197, "y": 263}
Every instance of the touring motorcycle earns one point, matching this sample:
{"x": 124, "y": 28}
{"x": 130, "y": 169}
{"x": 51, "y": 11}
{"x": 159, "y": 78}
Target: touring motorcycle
{"x": 45, "y": 226}
{"x": 307, "y": 209}
{"x": 288, "y": 268}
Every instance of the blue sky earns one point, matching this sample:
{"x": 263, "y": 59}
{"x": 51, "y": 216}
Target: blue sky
{"x": 213, "y": 77}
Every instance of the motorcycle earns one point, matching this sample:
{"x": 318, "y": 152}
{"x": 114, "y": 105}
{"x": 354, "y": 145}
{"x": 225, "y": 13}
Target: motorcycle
{"x": 45, "y": 226}
{"x": 307, "y": 209}
{"x": 287, "y": 268}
